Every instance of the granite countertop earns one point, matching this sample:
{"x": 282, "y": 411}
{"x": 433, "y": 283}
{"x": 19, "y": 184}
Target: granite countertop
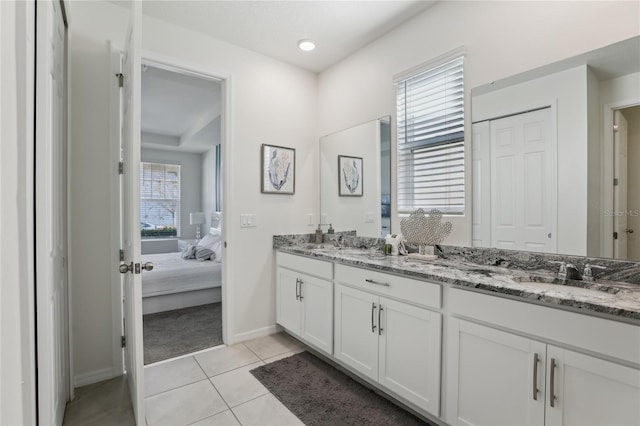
{"x": 620, "y": 300}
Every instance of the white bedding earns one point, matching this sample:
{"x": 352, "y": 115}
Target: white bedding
{"x": 173, "y": 274}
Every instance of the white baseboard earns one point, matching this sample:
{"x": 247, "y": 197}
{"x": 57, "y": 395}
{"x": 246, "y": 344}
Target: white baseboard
{"x": 93, "y": 377}
{"x": 254, "y": 334}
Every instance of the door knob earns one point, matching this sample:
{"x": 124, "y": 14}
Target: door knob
{"x": 124, "y": 268}
{"x": 629, "y": 231}
{"x": 147, "y": 266}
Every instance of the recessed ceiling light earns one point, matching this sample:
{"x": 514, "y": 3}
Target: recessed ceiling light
{"x": 306, "y": 45}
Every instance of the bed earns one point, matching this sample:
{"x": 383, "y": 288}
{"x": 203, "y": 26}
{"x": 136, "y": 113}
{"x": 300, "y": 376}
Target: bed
{"x": 176, "y": 283}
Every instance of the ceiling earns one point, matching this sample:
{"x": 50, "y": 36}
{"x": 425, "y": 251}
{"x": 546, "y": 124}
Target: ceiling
{"x": 184, "y": 109}
{"x": 273, "y": 27}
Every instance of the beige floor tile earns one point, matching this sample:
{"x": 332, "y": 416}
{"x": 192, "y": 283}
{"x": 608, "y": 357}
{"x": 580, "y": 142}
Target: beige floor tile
{"x": 282, "y": 356}
{"x": 225, "y": 359}
{"x": 226, "y": 418}
{"x": 185, "y": 405}
{"x": 265, "y": 410}
{"x": 170, "y": 375}
{"x": 239, "y": 386}
{"x": 275, "y": 344}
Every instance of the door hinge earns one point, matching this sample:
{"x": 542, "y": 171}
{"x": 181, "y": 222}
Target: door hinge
{"x": 123, "y": 341}
{"x": 121, "y": 252}
{"x": 615, "y": 181}
{"x": 615, "y": 235}
{"x": 120, "y": 79}
{"x": 121, "y": 168}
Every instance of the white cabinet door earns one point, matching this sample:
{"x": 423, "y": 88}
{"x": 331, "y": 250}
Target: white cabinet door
{"x": 409, "y": 363}
{"x": 492, "y": 376}
{"x": 356, "y": 330}
{"x": 288, "y": 309}
{"x": 590, "y": 391}
{"x": 317, "y": 312}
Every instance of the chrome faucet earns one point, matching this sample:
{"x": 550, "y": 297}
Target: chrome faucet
{"x": 587, "y": 274}
{"x": 567, "y": 271}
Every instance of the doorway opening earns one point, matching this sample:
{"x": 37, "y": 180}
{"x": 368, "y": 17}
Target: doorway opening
{"x": 626, "y": 212}
{"x": 180, "y": 211}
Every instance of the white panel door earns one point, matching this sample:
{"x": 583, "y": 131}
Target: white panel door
{"x": 356, "y": 330}
{"x": 132, "y": 284}
{"x": 493, "y": 375}
{"x": 590, "y": 391}
{"x": 288, "y": 306}
{"x": 409, "y": 361}
{"x": 317, "y": 312}
{"x": 51, "y": 214}
{"x": 620, "y": 220}
{"x": 523, "y": 182}
{"x": 481, "y": 153}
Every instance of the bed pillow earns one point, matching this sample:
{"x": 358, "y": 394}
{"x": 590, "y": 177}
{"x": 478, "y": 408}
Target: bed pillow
{"x": 203, "y": 254}
{"x": 209, "y": 240}
{"x": 188, "y": 251}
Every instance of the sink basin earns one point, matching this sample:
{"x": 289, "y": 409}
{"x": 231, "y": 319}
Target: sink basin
{"x": 573, "y": 286}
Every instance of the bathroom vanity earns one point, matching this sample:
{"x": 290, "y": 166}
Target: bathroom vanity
{"x": 469, "y": 343}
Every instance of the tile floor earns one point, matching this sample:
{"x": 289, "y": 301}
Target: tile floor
{"x": 215, "y": 387}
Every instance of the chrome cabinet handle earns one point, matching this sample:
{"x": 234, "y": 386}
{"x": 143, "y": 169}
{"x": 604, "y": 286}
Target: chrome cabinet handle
{"x": 373, "y": 308}
{"x": 535, "y": 376}
{"x": 377, "y": 282}
{"x": 379, "y": 323}
{"x": 297, "y": 291}
{"x": 552, "y": 396}
{"x": 301, "y": 282}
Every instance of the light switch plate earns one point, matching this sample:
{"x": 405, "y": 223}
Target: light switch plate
{"x": 248, "y": 220}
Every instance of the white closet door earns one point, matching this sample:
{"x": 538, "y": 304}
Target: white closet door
{"x": 132, "y": 283}
{"x": 481, "y": 153}
{"x": 620, "y": 224}
{"x": 51, "y": 213}
{"x": 523, "y": 182}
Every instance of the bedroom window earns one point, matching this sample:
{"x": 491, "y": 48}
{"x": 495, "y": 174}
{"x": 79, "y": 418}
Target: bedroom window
{"x": 159, "y": 200}
{"x": 430, "y": 126}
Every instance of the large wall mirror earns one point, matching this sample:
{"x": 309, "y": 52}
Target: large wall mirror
{"x": 555, "y": 157}
{"x": 355, "y": 178}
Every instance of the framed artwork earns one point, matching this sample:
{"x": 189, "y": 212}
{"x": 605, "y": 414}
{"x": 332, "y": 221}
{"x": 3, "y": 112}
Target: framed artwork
{"x": 278, "y": 170}
{"x": 350, "y": 176}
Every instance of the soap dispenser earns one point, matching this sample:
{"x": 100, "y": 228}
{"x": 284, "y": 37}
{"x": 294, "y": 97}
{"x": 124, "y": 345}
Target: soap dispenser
{"x": 319, "y": 235}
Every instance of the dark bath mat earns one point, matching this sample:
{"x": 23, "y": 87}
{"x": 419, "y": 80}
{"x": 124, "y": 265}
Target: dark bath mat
{"x": 318, "y": 394}
{"x": 181, "y": 331}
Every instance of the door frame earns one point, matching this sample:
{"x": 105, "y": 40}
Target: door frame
{"x": 197, "y": 70}
{"x": 608, "y": 171}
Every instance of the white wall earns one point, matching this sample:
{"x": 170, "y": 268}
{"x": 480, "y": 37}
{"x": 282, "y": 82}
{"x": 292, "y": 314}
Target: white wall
{"x": 190, "y": 182}
{"x": 17, "y": 344}
{"x": 89, "y": 177}
{"x": 501, "y": 39}
{"x": 567, "y": 92}
{"x": 271, "y": 102}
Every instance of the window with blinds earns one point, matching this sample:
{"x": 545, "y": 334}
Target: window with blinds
{"x": 159, "y": 199}
{"x": 430, "y": 126}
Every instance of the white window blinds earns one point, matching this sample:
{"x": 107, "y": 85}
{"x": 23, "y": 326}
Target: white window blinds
{"x": 430, "y": 114}
{"x": 160, "y": 196}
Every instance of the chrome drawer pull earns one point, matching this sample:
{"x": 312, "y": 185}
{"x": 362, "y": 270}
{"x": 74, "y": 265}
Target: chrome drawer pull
{"x": 373, "y": 308}
{"x": 552, "y": 396}
{"x": 379, "y": 323}
{"x": 297, "y": 291}
{"x": 535, "y": 376}
{"x": 377, "y": 282}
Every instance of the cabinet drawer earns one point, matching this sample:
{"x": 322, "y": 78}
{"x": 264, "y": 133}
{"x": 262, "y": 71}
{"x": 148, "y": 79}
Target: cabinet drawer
{"x": 410, "y": 290}
{"x": 317, "y": 268}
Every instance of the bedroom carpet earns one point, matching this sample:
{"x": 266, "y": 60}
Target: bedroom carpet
{"x": 173, "y": 333}
{"x": 319, "y": 394}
